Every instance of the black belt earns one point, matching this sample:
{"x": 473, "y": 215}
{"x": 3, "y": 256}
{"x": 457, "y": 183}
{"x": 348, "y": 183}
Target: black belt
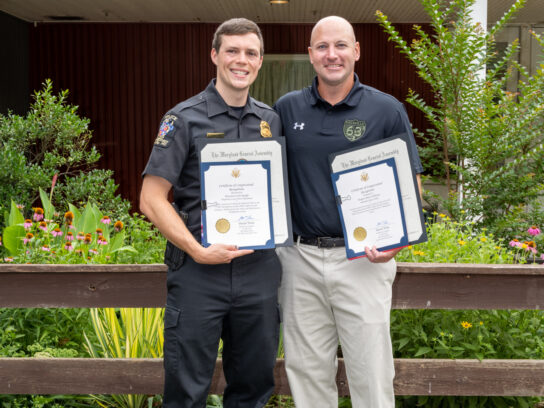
{"x": 321, "y": 242}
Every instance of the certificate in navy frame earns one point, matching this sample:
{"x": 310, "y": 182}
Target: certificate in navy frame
{"x": 205, "y": 166}
{"x": 350, "y": 252}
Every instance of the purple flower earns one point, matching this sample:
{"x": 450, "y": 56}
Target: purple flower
{"x": 533, "y": 230}
{"x": 68, "y": 246}
{"x": 105, "y": 219}
{"x": 56, "y": 232}
{"x": 27, "y": 224}
{"x": 515, "y": 243}
{"x": 69, "y": 236}
{"x": 38, "y": 214}
{"x": 28, "y": 237}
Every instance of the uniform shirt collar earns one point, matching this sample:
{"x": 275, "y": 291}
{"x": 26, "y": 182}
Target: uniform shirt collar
{"x": 352, "y": 99}
{"x": 217, "y": 105}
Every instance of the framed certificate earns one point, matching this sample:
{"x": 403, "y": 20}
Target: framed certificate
{"x": 237, "y": 204}
{"x": 370, "y": 206}
{"x": 395, "y": 147}
{"x": 271, "y": 149}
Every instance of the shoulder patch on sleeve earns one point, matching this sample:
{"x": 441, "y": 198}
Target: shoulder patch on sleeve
{"x": 167, "y": 126}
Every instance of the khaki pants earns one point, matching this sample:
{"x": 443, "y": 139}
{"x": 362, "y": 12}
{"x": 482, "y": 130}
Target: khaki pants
{"x": 327, "y": 299}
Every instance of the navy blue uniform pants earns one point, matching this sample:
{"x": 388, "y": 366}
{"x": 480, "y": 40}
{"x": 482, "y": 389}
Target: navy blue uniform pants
{"x": 236, "y": 302}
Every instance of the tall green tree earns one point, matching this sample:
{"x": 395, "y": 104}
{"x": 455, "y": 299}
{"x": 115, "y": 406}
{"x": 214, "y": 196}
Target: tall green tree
{"x": 484, "y": 140}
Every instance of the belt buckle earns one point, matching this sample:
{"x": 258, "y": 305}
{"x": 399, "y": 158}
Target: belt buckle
{"x": 319, "y": 242}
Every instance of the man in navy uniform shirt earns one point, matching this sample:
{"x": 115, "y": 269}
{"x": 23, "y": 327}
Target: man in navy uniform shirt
{"x": 327, "y": 299}
{"x": 218, "y": 291}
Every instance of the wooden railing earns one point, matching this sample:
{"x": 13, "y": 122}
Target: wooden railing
{"x": 417, "y": 286}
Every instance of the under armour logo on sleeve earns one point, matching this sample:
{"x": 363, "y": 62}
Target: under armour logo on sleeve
{"x": 299, "y": 126}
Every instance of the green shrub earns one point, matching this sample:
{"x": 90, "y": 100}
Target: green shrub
{"x": 52, "y": 143}
{"x": 485, "y": 142}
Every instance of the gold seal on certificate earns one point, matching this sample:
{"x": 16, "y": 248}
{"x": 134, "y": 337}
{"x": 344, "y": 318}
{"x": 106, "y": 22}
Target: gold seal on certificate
{"x": 222, "y": 225}
{"x": 359, "y": 233}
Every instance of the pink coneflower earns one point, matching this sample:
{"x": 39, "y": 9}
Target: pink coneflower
{"x": 69, "y": 236}
{"x": 45, "y": 248}
{"x": 8, "y": 259}
{"x": 105, "y": 219}
{"x": 43, "y": 226}
{"x": 69, "y": 216}
{"x": 38, "y": 214}
{"x": 93, "y": 251}
{"x": 99, "y": 231}
{"x": 27, "y": 224}
{"x": 515, "y": 243}
{"x": 101, "y": 240}
{"x": 88, "y": 238}
{"x": 118, "y": 226}
{"x": 69, "y": 224}
{"x": 533, "y": 230}
{"x": 20, "y": 206}
{"x": 68, "y": 246}
{"x": 56, "y": 232}
{"x": 80, "y": 236}
{"x": 28, "y": 237}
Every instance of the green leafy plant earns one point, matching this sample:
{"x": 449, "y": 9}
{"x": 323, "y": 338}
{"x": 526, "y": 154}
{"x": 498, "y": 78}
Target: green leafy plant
{"x": 486, "y": 140}
{"x": 457, "y": 242}
{"x": 127, "y": 333}
{"x": 481, "y": 334}
{"x": 51, "y": 146}
{"x": 76, "y": 237}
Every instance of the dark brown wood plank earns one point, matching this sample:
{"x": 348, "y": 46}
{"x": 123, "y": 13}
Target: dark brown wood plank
{"x": 83, "y": 289}
{"x": 417, "y": 286}
{"x": 145, "y": 376}
{"x": 469, "y": 377}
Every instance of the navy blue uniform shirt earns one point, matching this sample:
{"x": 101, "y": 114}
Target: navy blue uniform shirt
{"x": 174, "y": 156}
{"x": 314, "y": 129}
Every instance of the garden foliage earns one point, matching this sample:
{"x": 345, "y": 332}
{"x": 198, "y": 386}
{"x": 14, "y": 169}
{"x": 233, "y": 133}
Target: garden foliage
{"x": 51, "y": 146}
{"x": 485, "y": 141}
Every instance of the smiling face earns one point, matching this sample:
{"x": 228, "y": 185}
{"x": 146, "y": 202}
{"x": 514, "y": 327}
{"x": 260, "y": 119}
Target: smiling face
{"x": 333, "y": 51}
{"x": 238, "y": 61}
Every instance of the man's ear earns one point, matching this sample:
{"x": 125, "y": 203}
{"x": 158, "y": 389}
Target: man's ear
{"x": 213, "y": 55}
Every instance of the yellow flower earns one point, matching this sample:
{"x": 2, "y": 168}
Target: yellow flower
{"x": 442, "y": 334}
{"x": 461, "y": 242}
{"x": 481, "y": 323}
{"x": 466, "y": 325}
{"x": 420, "y": 253}
{"x": 483, "y": 239}
{"x": 442, "y": 215}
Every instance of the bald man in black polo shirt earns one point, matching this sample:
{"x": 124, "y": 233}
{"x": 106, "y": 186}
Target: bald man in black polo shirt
{"x": 327, "y": 299}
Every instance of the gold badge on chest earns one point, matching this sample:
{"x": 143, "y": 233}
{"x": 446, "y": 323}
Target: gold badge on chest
{"x": 265, "y": 129}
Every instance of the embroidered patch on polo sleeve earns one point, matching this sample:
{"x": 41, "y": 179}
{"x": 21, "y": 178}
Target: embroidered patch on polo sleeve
{"x": 167, "y": 126}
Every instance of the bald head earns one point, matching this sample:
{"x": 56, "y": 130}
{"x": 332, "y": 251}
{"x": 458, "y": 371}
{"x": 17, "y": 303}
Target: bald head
{"x": 332, "y": 23}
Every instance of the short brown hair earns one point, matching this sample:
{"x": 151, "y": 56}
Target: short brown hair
{"x": 236, "y": 26}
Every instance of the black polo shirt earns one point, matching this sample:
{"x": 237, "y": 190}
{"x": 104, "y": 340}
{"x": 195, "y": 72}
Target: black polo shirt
{"x": 174, "y": 156}
{"x": 314, "y": 129}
